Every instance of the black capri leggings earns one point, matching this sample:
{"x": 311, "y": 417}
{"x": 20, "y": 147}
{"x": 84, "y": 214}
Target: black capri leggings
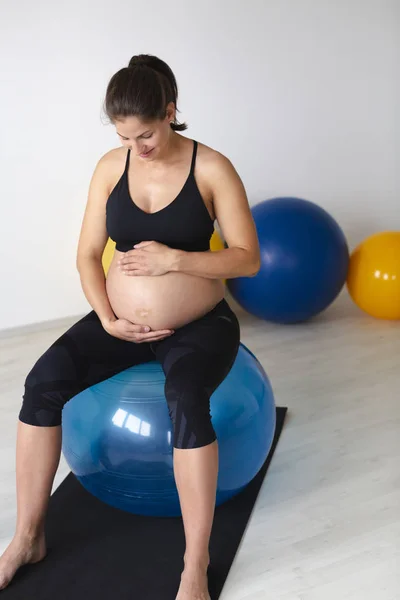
{"x": 195, "y": 359}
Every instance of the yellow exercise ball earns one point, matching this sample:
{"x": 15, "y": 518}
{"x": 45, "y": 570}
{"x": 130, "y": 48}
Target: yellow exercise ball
{"x": 215, "y": 244}
{"x": 373, "y": 278}
{"x": 108, "y": 254}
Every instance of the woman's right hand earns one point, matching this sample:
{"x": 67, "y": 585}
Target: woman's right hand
{"x": 125, "y": 330}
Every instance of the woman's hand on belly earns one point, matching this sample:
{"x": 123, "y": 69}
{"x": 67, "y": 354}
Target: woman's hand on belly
{"x": 148, "y": 258}
{"x": 125, "y": 330}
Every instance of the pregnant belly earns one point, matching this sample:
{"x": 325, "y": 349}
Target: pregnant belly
{"x": 162, "y": 302}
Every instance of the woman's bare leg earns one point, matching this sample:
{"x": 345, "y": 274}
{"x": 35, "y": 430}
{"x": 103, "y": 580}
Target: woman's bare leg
{"x": 37, "y": 459}
{"x": 196, "y": 473}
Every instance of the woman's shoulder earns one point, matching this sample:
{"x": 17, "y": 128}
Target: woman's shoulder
{"x": 115, "y": 156}
{"x": 109, "y": 166}
{"x": 113, "y": 163}
{"x": 212, "y": 161}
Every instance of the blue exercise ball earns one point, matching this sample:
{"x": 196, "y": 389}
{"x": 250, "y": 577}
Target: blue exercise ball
{"x": 304, "y": 262}
{"x": 117, "y": 435}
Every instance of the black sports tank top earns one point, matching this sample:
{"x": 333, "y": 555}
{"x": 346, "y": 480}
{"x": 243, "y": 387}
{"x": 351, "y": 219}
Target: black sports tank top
{"x": 184, "y": 223}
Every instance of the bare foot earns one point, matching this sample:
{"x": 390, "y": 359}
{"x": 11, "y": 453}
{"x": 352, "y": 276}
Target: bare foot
{"x": 20, "y": 552}
{"x": 194, "y": 586}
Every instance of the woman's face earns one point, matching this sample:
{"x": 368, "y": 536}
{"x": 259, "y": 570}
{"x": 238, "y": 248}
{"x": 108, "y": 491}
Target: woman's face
{"x": 146, "y": 139}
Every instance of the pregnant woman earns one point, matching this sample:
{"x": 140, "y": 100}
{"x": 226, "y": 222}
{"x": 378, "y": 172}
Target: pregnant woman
{"x": 157, "y": 197}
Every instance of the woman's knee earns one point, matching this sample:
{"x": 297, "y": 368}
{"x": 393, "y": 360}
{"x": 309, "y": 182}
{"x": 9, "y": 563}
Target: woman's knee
{"x": 50, "y": 383}
{"x": 189, "y": 409}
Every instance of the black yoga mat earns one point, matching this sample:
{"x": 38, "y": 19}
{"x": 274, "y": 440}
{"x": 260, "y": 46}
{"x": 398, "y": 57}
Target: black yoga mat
{"x": 97, "y": 551}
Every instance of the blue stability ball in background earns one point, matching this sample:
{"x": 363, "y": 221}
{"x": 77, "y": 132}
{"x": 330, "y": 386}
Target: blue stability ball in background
{"x": 304, "y": 262}
{"x": 117, "y": 435}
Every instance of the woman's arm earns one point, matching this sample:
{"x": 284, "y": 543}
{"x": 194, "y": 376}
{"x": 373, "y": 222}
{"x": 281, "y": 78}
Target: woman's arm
{"x": 92, "y": 240}
{"x": 219, "y": 264}
{"x": 242, "y": 257}
{"x": 94, "y": 287}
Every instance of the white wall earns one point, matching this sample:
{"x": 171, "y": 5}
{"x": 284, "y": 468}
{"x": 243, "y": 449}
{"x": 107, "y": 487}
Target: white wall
{"x": 302, "y": 95}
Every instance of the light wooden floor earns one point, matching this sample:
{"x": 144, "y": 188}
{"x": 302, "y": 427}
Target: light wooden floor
{"x": 326, "y": 525}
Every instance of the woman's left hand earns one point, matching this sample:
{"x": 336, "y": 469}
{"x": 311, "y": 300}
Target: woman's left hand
{"x": 148, "y": 258}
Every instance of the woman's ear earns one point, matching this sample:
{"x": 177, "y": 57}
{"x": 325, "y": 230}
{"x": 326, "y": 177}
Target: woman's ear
{"x": 171, "y": 112}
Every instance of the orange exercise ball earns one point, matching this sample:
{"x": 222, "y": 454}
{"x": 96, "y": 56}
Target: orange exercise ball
{"x": 215, "y": 244}
{"x": 373, "y": 278}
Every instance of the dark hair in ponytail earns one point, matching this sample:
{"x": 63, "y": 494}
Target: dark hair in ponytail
{"x": 143, "y": 89}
